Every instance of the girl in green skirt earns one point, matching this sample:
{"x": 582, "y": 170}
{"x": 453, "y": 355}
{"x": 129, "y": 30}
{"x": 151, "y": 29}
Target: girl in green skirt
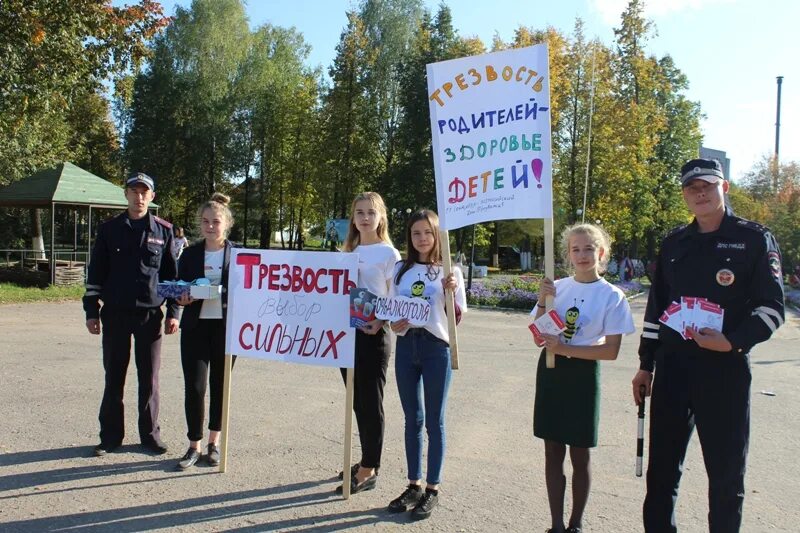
{"x": 566, "y": 410}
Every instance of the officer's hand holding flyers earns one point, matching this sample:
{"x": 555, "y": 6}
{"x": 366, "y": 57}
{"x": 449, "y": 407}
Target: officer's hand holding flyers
{"x": 711, "y": 339}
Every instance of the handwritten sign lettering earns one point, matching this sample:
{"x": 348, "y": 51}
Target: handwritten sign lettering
{"x": 490, "y": 119}
{"x": 291, "y": 306}
{"x": 416, "y": 310}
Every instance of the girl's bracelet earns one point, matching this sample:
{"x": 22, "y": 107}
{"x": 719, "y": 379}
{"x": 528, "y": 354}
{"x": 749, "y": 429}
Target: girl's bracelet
{"x": 541, "y": 306}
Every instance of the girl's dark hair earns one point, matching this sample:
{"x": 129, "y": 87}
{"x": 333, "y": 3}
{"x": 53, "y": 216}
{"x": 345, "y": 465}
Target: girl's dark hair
{"x": 412, "y": 255}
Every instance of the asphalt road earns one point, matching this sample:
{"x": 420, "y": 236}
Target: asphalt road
{"x": 287, "y": 434}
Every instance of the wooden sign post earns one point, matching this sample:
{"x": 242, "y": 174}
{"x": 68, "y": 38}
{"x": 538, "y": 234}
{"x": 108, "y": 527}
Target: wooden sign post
{"x": 292, "y": 307}
{"x": 549, "y": 271}
{"x": 348, "y": 434}
{"x": 449, "y": 300}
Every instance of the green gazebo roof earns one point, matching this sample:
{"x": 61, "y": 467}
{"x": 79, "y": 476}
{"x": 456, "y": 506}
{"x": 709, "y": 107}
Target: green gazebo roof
{"x": 63, "y": 184}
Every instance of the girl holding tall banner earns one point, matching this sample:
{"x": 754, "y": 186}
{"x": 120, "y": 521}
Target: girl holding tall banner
{"x": 203, "y": 329}
{"x": 368, "y": 236}
{"x": 422, "y": 360}
{"x": 567, "y": 405}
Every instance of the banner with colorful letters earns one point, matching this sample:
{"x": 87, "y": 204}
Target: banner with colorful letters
{"x": 291, "y": 306}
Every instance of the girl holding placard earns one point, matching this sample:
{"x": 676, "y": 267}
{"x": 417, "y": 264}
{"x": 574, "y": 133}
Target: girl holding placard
{"x": 368, "y": 236}
{"x": 566, "y": 409}
{"x": 422, "y": 360}
{"x": 203, "y": 329}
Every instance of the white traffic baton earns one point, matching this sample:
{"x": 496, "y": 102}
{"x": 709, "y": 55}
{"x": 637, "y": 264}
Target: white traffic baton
{"x": 640, "y": 433}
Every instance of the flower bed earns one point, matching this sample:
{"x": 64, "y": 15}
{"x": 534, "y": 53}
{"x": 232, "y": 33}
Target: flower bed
{"x": 792, "y": 297}
{"x": 520, "y": 292}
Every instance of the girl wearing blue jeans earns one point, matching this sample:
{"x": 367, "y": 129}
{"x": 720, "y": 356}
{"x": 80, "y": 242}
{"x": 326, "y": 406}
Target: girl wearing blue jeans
{"x": 422, "y": 359}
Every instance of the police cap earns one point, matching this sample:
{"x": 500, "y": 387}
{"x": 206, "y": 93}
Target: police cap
{"x": 140, "y": 177}
{"x": 705, "y": 169}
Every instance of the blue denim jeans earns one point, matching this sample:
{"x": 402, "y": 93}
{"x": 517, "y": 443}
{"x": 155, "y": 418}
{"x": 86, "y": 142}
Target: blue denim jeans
{"x": 422, "y": 369}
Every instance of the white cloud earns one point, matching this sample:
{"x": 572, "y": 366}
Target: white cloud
{"x": 610, "y": 10}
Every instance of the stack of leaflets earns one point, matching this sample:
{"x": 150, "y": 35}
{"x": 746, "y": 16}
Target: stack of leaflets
{"x": 692, "y": 313}
{"x": 549, "y": 323}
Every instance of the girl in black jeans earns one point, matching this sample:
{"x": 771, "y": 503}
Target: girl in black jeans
{"x": 203, "y": 329}
{"x": 368, "y": 236}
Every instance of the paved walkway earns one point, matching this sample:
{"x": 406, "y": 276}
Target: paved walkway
{"x": 286, "y": 442}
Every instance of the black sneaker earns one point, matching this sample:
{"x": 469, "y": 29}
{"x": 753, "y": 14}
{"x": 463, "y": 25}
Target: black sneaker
{"x": 189, "y": 460}
{"x": 425, "y": 506}
{"x": 407, "y": 500}
{"x": 213, "y": 455}
{"x": 573, "y": 529}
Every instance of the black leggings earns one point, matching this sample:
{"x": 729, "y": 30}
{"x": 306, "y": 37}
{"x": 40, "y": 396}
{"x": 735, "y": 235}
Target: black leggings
{"x": 203, "y": 347}
{"x": 372, "y": 358}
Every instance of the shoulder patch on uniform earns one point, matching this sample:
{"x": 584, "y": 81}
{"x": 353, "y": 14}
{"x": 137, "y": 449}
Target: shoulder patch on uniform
{"x": 163, "y": 222}
{"x": 755, "y": 226}
{"x": 677, "y": 230}
{"x": 774, "y": 260}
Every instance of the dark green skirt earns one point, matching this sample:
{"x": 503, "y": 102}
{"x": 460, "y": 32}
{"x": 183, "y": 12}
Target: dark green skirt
{"x": 567, "y": 406}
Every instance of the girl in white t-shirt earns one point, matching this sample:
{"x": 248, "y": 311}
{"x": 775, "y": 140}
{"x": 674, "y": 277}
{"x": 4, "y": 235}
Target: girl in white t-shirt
{"x": 566, "y": 409}
{"x": 368, "y": 236}
{"x": 422, "y": 360}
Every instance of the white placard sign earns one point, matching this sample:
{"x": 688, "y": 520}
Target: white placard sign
{"x": 416, "y": 310}
{"x": 490, "y": 121}
{"x": 291, "y": 306}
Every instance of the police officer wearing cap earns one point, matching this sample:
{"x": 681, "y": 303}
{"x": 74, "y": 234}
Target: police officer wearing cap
{"x": 132, "y": 252}
{"x": 705, "y": 381}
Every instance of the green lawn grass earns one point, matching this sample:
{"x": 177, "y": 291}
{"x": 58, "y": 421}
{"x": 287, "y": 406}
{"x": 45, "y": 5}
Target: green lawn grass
{"x": 14, "y": 294}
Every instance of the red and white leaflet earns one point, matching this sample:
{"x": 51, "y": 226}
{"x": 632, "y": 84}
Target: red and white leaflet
{"x": 549, "y": 323}
{"x": 689, "y": 304}
{"x": 709, "y": 315}
{"x": 672, "y": 317}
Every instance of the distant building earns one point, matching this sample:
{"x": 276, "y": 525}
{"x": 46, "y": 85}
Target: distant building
{"x": 719, "y": 155}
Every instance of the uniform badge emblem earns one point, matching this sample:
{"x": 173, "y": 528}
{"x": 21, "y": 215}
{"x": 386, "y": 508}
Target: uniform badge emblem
{"x": 725, "y": 277}
{"x": 774, "y": 261}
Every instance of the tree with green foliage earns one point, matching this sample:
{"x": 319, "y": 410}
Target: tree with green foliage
{"x": 353, "y": 159}
{"x": 54, "y": 56}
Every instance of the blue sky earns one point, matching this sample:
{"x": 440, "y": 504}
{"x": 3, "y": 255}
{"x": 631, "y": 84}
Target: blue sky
{"x": 731, "y": 51}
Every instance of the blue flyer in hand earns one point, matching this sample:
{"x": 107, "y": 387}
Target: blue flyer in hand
{"x": 362, "y": 307}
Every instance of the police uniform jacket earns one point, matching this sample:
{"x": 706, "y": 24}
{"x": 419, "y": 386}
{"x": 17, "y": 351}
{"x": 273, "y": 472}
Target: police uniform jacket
{"x": 192, "y": 266}
{"x": 125, "y": 270}
{"x": 738, "y": 267}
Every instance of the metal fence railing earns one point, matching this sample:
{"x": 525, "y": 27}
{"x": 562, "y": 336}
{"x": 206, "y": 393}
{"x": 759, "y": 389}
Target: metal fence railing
{"x": 29, "y": 258}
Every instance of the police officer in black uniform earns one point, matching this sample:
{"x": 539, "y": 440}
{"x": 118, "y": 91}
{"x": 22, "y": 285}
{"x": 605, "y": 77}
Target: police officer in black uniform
{"x": 132, "y": 252}
{"x": 705, "y": 381}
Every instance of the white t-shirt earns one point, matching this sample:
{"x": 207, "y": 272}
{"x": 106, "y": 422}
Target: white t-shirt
{"x": 375, "y": 266}
{"x": 212, "y": 308}
{"x": 591, "y": 311}
{"x": 422, "y": 281}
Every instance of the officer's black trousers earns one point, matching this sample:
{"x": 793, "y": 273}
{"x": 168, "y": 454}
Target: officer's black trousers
{"x": 203, "y": 361}
{"x": 371, "y": 361}
{"x": 118, "y": 327}
{"x": 712, "y": 392}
